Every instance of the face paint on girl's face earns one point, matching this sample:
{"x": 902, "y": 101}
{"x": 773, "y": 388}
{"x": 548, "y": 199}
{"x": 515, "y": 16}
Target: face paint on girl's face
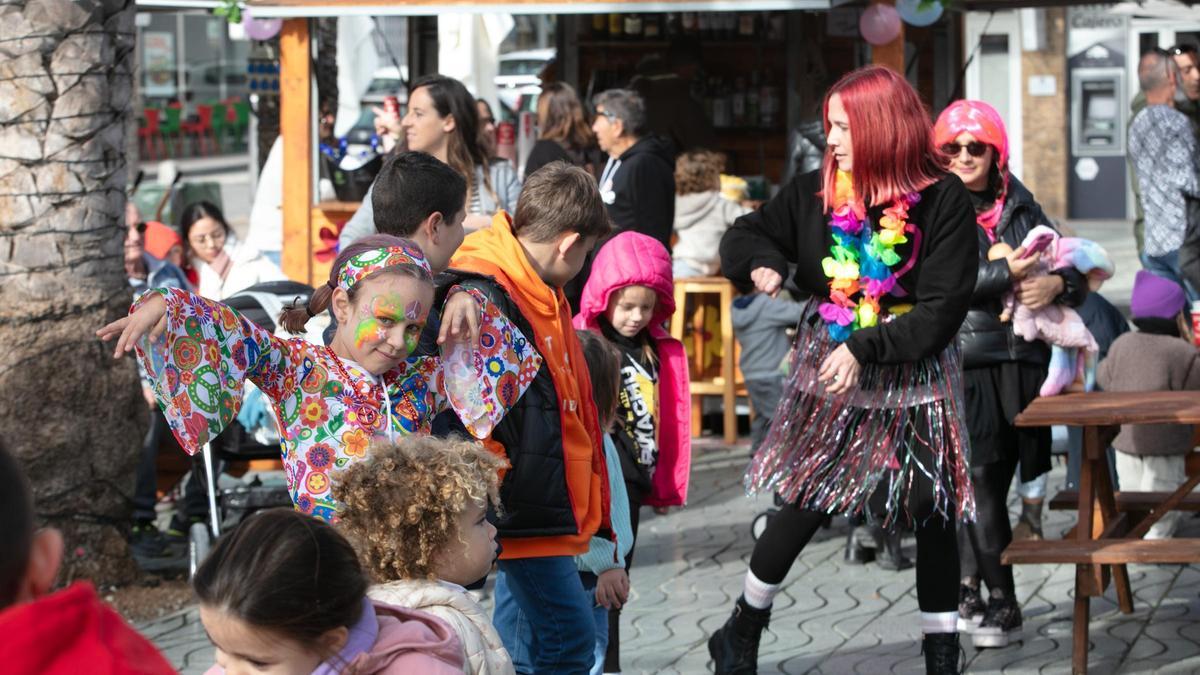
{"x": 388, "y": 317}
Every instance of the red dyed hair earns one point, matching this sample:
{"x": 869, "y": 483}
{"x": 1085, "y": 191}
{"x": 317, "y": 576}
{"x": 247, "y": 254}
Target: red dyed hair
{"x": 891, "y": 136}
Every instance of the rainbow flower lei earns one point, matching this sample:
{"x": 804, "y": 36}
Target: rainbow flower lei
{"x": 861, "y": 263}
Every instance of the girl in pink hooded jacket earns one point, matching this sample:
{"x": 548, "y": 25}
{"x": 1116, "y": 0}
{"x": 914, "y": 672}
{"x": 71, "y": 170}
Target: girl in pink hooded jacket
{"x": 628, "y": 299}
{"x": 284, "y": 592}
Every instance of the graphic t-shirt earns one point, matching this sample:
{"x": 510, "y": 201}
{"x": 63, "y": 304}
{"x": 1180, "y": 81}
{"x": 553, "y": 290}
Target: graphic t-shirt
{"x": 637, "y": 409}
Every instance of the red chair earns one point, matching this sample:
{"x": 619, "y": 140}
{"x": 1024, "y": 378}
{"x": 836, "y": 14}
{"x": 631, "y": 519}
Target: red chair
{"x": 201, "y": 129}
{"x": 149, "y": 133}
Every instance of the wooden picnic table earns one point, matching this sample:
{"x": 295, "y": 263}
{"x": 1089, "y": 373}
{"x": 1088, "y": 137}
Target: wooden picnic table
{"x": 1109, "y": 531}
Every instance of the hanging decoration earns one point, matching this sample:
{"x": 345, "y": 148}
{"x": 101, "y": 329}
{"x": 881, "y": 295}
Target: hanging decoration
{"x": 920, "y": 12}
{"x": 261, "y": 29}
{"x": 880, "y": 24}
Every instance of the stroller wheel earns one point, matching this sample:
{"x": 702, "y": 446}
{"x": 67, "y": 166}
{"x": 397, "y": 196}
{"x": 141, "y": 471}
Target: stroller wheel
{"x": 759, "y": 524}
{"x": 199, "y": 543}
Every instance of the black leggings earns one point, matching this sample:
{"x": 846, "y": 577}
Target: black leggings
{"x": 981, "y": 543}
{"x": 790, "y": 530}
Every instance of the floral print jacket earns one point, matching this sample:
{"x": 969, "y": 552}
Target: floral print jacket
{"x": 328, "y": 409}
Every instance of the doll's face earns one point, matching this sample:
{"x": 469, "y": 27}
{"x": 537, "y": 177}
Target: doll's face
{"x": 630, "y": 309}
{"x": 382, "y": 324}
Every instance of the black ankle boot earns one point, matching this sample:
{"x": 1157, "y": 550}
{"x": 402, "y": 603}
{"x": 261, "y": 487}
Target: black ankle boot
{"x": 734, "y": 647}
{"x": 941, "y": 654}
{"x": 889, "y": 554}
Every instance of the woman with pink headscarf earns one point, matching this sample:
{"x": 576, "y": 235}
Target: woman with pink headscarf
{"x": 1001, "y": 372}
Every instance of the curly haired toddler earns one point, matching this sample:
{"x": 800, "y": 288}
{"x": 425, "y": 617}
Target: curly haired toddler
{"x": 417, "y": 513}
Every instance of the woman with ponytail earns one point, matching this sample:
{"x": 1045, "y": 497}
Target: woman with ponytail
{"x": 882, "y": 239}
{"x": 1002, "y": 373}
{"x": 331, "y": 402}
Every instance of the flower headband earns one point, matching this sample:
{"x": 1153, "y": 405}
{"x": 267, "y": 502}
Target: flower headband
{"x": 364, "y": 264}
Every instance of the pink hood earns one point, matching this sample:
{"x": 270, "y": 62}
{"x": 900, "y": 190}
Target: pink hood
{"x": 633, "y": 259}
{"x": 410, "y": 642}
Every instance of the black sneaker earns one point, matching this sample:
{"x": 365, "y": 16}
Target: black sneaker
{"x": 971, "y": 608}
{"x": 147, "y": 541}
{"x": 1001, "y": 624}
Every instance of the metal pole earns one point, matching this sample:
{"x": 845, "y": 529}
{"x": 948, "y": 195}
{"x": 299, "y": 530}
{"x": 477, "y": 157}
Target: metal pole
{"x": 213, "y": 516}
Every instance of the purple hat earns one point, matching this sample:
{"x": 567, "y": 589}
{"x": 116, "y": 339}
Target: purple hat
{"x": 1155, "y": 297}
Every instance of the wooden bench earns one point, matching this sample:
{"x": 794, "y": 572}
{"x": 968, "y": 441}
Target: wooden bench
{"x": 1136, "y": 502}
{"x": 1102, "y": 552}
{"x": 1109, "y": 532}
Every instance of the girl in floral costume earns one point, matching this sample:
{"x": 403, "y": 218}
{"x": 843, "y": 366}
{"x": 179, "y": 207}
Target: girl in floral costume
{"x": 331, "y": 402}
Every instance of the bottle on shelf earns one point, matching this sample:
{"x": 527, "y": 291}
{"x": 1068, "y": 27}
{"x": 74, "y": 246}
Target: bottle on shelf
{"x": 770, "y": 103}
{"x": 673, "y": 26}
{"x": 599, "y": 26}
{"x": 776, "y": 26}
{"x": 722, "y": 114}
{"x": 633, "y": 26}
{"x": 652, "y": 26}
{"x": 616, "y": 27}
{"x": 738, "y": 102}
{"x": 754, "y": 102}
{"x": 747, "y": 25}
{"x": 690, "y": 23}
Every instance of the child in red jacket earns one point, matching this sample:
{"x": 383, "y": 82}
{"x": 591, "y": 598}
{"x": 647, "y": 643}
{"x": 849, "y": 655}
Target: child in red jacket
{"x": 66, "y": 632}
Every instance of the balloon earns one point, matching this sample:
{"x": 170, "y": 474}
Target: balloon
{"x": 260, "y": 29}
{"x": 880, "y": 24}
{"x": 913, "y": 13}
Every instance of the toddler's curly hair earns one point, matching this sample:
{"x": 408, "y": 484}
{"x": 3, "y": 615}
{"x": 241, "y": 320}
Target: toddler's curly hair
{"x": 698, "y": 171}
{"x": 400, "y": 508}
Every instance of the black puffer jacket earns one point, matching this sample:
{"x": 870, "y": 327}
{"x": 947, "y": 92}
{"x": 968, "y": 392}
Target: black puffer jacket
{"x": 985, "y": 341}
{"x": 534, "y": 492}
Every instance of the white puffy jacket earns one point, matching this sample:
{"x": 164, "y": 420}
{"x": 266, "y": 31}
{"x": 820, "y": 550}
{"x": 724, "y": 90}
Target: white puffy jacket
{"x": 485, "y": 653}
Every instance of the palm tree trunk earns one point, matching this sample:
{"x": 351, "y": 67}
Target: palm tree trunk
{"x": 70, "y": 412}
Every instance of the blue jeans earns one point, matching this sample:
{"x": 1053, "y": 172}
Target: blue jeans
{"x": 1167, "y": 267}
{"x": 544, "y": 617}
{"x": 600, "y": 613}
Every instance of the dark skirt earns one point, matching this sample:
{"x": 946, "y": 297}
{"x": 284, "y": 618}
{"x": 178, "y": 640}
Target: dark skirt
{"x": 995, "y": 395}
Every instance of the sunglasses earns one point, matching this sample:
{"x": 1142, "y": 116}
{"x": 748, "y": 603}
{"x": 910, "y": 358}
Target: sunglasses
{"x": 974, "y": 149}
{"x": 1182, "y": 49}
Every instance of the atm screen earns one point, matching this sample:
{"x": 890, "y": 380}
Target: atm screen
{"x": 1100, "y": 105}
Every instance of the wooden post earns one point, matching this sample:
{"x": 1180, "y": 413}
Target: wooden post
{"x": 891, "y": 54}
{"x": 295, "y": 126}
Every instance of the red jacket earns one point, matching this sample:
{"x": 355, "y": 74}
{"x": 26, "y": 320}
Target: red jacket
{"x": 72, "y": 632}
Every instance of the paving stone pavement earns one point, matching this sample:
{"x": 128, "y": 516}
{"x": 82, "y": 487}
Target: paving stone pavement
{"x": 834, "y": 618}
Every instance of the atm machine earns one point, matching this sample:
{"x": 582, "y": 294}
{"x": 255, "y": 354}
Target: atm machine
{"x": 1097, "y": 174}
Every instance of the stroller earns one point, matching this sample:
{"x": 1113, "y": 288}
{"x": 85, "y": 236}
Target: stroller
{"x": 228, "y": 506}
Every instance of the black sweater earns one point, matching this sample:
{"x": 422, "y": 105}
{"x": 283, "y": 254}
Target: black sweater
{"x": 640, "y": 195}
{"x": 792, "y": 228}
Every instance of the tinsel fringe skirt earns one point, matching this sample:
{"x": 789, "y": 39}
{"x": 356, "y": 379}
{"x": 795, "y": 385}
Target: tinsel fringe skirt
{"x": 902, "y": 428}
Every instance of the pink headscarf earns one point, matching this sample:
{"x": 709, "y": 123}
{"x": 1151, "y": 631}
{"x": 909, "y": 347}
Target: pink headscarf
{"x": 983, "y": 122}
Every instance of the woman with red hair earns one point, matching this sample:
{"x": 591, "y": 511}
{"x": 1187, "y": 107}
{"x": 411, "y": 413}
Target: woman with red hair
{"x": 883, "y": 240}
{"x": 1002, "y": 373}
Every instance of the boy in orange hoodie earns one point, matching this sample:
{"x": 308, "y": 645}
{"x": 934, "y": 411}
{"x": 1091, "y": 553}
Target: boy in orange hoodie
{"x": 554, "y": 492}
{"x": 69, "y": 631}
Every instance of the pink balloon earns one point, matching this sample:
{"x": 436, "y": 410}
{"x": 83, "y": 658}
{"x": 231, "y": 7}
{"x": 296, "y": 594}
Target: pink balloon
{"x": 260, "y": 29}
{"x": 880, "y": 24}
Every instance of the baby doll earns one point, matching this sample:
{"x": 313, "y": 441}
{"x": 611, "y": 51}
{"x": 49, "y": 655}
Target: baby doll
{"x": 1056, "y": 325}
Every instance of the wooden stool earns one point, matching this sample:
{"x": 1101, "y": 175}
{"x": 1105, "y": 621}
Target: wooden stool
{"x": 722, "y": 380}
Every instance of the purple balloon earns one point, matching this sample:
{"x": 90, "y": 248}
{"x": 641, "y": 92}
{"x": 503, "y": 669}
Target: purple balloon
{"x": 880, "y": 24}
{"x": 260, "y": 29}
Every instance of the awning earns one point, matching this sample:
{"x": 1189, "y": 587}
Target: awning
{"x": 176, "y": 5}
{"x": 1158, "y": 9}
{"x": 318, "y": 8}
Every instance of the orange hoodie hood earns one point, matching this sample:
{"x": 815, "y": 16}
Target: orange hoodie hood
{"x": 496, "y": 252}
